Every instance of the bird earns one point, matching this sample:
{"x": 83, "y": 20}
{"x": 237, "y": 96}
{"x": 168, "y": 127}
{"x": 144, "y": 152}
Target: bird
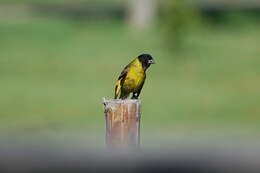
{"x": 132, "y": 78}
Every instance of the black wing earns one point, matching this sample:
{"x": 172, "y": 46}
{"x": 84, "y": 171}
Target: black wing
{"x": 121, "y": 80}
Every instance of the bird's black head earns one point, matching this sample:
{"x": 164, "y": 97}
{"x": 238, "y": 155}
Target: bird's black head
{"x": 146, "y": 60}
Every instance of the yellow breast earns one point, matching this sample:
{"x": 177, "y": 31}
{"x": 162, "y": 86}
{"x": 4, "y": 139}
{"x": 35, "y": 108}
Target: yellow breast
{"x": 135, "y": 76}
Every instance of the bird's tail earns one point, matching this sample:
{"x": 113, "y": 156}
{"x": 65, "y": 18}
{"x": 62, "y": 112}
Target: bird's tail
{"x": 117, "y": 89}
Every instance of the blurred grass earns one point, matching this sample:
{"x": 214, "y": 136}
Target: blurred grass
{"x": 54, "y": 73}
{"x": 58, "y": 1}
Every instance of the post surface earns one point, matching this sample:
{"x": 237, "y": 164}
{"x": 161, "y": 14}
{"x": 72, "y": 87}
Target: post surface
{"x": 122, "y": 123}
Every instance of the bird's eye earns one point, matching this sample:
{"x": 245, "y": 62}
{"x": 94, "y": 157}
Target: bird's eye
{"x": 151, "y": 61}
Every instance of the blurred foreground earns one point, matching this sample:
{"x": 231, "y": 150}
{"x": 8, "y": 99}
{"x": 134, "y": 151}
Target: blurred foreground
{"x": 39, "y": 157}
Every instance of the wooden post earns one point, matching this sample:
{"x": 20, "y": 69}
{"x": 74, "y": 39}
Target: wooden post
{"x": 122, "y": 123}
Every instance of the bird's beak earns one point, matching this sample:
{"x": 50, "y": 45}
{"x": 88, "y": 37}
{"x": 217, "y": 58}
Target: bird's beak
{"x": 151, "y": 61}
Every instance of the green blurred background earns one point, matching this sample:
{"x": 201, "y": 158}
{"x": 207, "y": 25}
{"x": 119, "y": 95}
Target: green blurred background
{"x": 58, "y": 59}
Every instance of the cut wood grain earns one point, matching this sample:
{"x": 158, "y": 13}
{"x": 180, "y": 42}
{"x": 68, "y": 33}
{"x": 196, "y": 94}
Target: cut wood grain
{"x": 122, "y": 122}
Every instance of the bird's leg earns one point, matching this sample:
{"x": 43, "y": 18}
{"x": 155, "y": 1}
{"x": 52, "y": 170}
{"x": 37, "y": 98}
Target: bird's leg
{"x": 135, "y": 96}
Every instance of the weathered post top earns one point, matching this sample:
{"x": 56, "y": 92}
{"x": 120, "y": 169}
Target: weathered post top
{"x": 122, "y": 122}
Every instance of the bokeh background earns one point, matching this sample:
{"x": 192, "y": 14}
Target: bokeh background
{"x": 59, "y": 58}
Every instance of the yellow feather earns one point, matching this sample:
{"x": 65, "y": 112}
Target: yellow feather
{"x": 133, "y": 79}
{"x": 117, "y": 89}
{"x": 135, "y": 76}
